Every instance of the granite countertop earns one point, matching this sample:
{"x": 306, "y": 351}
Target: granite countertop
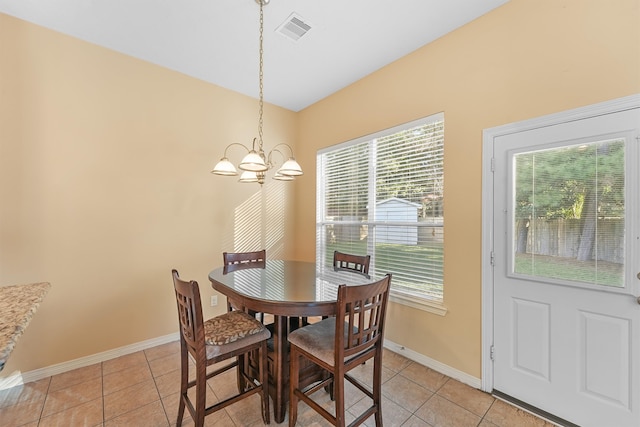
{"x": 18, "y": 303}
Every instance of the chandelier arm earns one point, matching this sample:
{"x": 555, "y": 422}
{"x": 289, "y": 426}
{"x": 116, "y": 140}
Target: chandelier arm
{"x": 235, "y": 143}
{"x": 270, "y": 162}
{"x": 286, "y": 145}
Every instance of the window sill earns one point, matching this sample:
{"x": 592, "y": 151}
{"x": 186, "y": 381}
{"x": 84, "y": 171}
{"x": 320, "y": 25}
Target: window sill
{"x": 414, "y": 301}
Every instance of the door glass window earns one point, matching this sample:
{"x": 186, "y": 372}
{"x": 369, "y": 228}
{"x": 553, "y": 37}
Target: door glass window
{"x": 569, "y": 213}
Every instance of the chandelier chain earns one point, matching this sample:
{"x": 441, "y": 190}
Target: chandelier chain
{"x": 256, "y": 163}
{"x": 261, "y": 78}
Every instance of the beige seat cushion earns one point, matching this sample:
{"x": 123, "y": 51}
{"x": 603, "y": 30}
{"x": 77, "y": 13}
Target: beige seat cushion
{"x": 230, "y": 327}
{"x": 317, "y": 339}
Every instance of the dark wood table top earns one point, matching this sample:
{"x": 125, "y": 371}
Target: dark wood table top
{"x": 285, "y": 288}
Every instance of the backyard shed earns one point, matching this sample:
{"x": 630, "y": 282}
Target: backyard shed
{"x": 397, "y": 210}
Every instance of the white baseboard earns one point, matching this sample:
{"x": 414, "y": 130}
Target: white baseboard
{"x": 434, "y": 364}
{"x": 18, "y": 378}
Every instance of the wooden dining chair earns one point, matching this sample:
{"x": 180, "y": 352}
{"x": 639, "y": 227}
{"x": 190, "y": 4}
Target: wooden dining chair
{"x": 239, "y": 260}
{"x": 233, "y": 261}
{"x": 223, "y": 337}
{"x": 339, "y": 344}
{"x": 349, "y": 262}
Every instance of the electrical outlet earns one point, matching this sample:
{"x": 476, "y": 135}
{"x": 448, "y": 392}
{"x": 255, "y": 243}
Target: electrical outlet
{"x": 214, "y": 300}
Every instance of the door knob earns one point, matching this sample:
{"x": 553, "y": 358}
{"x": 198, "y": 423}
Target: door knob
{"x": 638, "y": 300}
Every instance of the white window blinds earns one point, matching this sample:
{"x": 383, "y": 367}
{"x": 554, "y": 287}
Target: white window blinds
{"x": 569, "y": 213}
{"x": 382, "y": 195}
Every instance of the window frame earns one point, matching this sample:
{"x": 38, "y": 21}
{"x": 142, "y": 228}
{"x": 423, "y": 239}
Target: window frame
{"x": 416, "y": 299}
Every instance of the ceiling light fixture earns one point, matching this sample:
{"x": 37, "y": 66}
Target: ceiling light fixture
{"x": 256, "y": 163}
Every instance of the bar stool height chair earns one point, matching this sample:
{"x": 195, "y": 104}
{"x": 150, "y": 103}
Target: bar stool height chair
{"x": 339, "y": 344}
{"x": 220, "y": 338}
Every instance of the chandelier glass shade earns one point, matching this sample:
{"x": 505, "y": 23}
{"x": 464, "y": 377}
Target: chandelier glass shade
{"x": 255, "y": 164}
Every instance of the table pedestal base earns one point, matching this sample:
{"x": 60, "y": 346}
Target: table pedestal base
{"x": 278, "y": 350}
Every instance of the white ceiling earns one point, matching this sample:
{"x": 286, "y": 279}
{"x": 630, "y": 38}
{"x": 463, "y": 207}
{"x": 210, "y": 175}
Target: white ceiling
{"x": 217, "y": 40}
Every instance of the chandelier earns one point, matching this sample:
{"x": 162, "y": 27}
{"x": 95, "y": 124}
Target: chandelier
{"x": 256, "y": 163}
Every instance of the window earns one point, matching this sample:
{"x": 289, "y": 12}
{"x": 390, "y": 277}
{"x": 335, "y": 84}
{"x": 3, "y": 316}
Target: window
{"x": 569, "y": 221}
{"x": 382, "y": 195}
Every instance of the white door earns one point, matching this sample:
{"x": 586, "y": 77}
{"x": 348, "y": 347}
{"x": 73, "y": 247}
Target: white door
{"x": 566, "y": 276}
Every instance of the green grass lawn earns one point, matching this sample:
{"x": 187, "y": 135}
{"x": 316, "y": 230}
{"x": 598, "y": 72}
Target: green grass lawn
{"x": 600, "y": 272}
{"x": 422, "y": 271}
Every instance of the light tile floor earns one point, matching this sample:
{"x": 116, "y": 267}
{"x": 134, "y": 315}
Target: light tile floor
{"x": 141, "y": 389}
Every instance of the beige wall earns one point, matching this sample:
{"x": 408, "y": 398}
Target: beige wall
{"x": 105, "y": 186}
{"x": 104, "y": 164}
{"x": 523, "y": 60}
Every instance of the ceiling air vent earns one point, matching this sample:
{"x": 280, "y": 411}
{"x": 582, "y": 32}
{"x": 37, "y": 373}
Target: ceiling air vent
{"x": 294, "y": 27}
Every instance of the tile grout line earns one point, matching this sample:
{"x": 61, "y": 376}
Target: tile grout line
{"x": 437, "y": 393}
{"x": 46, "y": 396}
{"x": 102, "y": 396}
{"x": 164, "y": 410}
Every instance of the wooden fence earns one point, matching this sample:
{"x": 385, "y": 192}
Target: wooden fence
{"x": 561, "y": 237}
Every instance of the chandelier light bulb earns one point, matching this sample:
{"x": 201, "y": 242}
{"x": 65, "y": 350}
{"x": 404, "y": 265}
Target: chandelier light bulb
{"x": 248, "y": 176}
{"x": 290, "y": 168}
{"x": 253, "y": 162}
{"x": 279, "y": 177}
{"x": 224, "y": 167}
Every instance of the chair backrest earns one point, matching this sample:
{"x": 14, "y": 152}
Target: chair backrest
{"x": 364, "y": 309}
{"x": 349, "y": 262}
{"x": 189, "y": 314}
{"x": 239, "y": 260}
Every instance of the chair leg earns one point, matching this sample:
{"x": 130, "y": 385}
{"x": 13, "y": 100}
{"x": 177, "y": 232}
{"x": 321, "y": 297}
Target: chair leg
{"x": 240, "y": 368}
{"x": 264, "y": 380}
{"x": 180, "y": 411}
{"x": 201, "y": 393}
{"x": 338, "y": 394}
{"x": 294, "y": 364}
{"x": 329, "y": 387}
{"x": 184, "y": 380}
{"x": 377, "y": 386}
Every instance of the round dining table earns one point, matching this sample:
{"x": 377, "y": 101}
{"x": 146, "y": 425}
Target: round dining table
{"x": 289, "y": 290}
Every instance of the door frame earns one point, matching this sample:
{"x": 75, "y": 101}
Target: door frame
{"x": 488, "y": 137}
